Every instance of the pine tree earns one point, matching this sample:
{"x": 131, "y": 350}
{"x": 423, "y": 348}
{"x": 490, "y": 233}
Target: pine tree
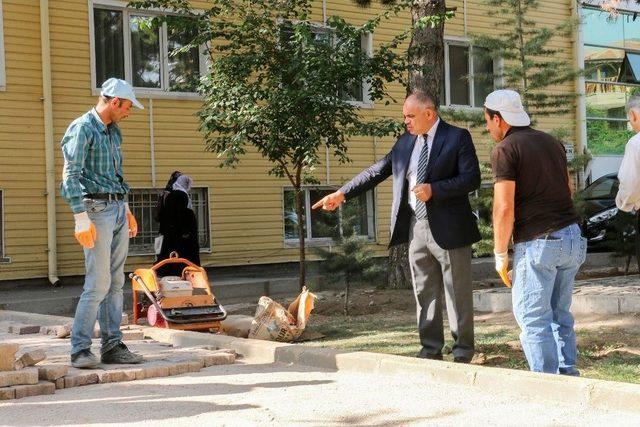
{"x": 531, "y": 67}
{"x": 350, "y": 259}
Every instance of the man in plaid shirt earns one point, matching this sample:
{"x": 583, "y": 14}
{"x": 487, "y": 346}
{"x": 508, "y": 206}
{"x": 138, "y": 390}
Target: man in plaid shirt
{"x": 93, "y": 185}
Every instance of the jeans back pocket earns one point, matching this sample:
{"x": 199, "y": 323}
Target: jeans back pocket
{"x": 546, "y": 253}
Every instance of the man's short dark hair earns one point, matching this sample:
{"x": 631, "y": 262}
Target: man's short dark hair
{"x": 424, "y": 99}
{"x": 492, "y": 113}
{"x": 107, "y": 99}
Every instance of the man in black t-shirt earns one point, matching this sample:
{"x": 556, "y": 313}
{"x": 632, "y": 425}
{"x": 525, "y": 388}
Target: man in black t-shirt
{"x": 532, "y": 203}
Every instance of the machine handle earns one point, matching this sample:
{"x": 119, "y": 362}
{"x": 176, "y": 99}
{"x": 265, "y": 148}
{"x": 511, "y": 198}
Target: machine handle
{"x": 174, "y": 259}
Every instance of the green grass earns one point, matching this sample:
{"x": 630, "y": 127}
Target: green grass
{"x": 496, "y": 344}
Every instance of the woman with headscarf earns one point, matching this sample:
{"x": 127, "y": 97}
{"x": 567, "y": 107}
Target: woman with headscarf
{"x": 179, "y": 227}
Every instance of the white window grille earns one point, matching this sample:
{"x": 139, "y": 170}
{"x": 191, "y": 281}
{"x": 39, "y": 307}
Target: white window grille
{"x": 357, "y": 215}
{"x": 143, "y": 201}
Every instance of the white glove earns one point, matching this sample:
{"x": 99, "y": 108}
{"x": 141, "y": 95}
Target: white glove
{"x": 85, "y": 231}
{"x": 502, "y": 266}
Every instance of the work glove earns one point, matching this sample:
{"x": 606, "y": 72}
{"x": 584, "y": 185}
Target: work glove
{"x": 131, "y": 220}
{"x": 85, "y": 232}
{"x": 502, "y": 267}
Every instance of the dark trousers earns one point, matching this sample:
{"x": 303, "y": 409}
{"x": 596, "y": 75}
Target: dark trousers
{"x": 433, "y": 270}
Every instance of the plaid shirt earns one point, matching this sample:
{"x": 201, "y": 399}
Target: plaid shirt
{"x": 92, "y": 160}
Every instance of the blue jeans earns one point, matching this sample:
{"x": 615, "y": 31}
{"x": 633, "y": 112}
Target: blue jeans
{"x": 104, "y": 264}
{"x": 544, "y": 272}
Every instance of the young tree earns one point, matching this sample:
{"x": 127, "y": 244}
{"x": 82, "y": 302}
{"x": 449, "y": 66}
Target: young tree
{"x": 281, "y": 85}
{"x": 351, "y": 257}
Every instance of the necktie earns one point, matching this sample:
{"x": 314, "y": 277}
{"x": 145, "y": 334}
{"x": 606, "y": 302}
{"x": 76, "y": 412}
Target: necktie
{"x": 421, "y": 173}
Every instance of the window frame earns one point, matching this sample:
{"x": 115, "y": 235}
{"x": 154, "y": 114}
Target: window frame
{"x": 3, "y": 75}
{"x": 465, "y": 42}
{"x": 207, "y": 250}
{"x": 367, "y": 46}
{"x": 589, "y": 6}
{"x": 3, "y": 258}
{"x": 371, "y": 237}
{"x": 145, "y": 92}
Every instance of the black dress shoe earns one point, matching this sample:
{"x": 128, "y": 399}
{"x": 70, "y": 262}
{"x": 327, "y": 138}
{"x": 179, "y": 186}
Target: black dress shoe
{"x": 423, "y": 354}
{"x": 460, "y": 359}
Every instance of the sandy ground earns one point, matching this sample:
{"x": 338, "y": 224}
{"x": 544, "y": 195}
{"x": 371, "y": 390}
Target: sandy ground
{"x": 273, "y": 394}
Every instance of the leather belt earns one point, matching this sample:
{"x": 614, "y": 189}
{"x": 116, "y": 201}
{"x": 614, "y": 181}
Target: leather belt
{"x": 106, "y": 196}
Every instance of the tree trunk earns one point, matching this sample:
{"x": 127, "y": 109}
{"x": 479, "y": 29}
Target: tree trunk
{"x": 301, "y": 231}
{"x": 426, "y": 50}
{"x": 399, "y": 274}
{"x": 426, "y": 56}
{"x": 346, "y": 296}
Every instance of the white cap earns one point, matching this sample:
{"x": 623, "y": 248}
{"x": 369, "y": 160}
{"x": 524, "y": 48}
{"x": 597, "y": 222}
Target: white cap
{"x": 117, "y": 88}
{"x": 509, "y": 104}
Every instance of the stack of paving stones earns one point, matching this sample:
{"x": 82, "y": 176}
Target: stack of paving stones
{"x": 21, "y": 378}
{"x": 35, "y": 373}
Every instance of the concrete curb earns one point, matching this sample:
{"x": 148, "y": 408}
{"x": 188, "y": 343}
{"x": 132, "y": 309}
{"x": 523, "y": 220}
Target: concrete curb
{"x": 554, "y": 388}
{"x": 497, "y": 301}
{"x": 34, "y": 318}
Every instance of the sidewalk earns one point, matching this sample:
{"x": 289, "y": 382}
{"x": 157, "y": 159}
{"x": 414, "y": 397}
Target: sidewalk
{"x": 607, "y": 295}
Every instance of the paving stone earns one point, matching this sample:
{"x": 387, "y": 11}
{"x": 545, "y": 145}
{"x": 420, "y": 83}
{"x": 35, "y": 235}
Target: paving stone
{"x": 153, "y": 371}
{"x": 116, "y": 376}
{"x": 131, "y": 335}
{"x": 125, "y": 319}
{"x": 218, "y": 359}
{"x": 52, "y": 372}
{"x": 30, "y": 358}
{"x": 7, "y": 356}
{"x": 24, "y": 329}
{"x": 24, "y": 376}
{"x": 80, "y": 379}
{"x": 178, "y": 368}
{"x": 63, "y": 331}
{"x": 7, "y": 393}
{"x": 43, "y": 387}
{"x": 195, "y": 365}
{"x": 59, "y": 383}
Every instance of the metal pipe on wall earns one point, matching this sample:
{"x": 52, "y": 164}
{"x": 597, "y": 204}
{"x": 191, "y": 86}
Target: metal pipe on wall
{"x": 50, "y": 166}
{"x": 581, "y": 104}
{"x": 152, "y": 144}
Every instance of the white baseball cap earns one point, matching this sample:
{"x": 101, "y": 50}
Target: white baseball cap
{"x": 117, "y": 88}
{"x": 509, "y": 104}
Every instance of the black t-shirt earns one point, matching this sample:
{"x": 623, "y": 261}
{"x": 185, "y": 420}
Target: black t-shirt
{"x": 537, "y": 162}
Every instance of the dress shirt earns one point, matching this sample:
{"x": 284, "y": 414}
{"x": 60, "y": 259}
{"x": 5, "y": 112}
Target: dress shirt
{"x": 628, "y": 197}
{"x": 415, "y": 156}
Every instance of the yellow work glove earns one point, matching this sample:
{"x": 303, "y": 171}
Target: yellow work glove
{"x": 85, "y": 231}
{"x": 502, "y": 267}
{"x": 131, "y": 220}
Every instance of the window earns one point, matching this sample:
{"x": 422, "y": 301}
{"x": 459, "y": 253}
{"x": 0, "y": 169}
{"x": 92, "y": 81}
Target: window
{"x": 143, "y": 201}
{"x": 3, "y": 81}
{"x": 356, "y": 92}
{"x": 611, "y": 48}
{"x": 130, "y": 45}
{"x": 357, "y": 215}
{"x": 469, "y": 74}
{"x": 2, "y": 257}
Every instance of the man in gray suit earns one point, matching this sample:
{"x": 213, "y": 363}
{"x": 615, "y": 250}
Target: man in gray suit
{"x": 434, "y": 167}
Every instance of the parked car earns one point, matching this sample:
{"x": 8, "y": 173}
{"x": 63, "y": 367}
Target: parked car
{"x": 604, "y": 226}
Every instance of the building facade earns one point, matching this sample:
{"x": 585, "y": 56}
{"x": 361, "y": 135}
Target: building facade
{"x": 54, "y": 55}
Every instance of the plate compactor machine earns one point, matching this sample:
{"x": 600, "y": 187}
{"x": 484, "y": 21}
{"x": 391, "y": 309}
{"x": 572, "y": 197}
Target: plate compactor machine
{"x": 176, "y": 302}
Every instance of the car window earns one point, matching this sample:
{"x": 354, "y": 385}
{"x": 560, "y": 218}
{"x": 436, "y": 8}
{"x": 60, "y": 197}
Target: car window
{"x": 603, "y": 188}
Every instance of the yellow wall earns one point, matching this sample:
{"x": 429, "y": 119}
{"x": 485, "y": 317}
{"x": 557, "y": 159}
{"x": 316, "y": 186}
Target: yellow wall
{"x": 245, "y": 203}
